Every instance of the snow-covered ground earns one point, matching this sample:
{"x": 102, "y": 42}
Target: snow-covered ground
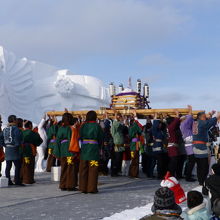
{"x": 139, "y": 212}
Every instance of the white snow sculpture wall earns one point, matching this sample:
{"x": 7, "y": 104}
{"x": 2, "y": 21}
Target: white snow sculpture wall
{"x": 29, "y": 88}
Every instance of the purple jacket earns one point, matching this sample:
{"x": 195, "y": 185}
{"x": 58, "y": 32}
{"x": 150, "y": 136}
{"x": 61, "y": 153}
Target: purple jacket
{"x": 186, "y": 128}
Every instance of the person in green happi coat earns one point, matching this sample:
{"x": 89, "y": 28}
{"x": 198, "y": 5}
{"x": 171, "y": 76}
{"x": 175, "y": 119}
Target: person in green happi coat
{"x": 51, "y": 137}
{"x": 31, "y": 140}
{"x": 67, "y": 159}
{"x": 91, "y": 136}
{"x": 135, "y": 144}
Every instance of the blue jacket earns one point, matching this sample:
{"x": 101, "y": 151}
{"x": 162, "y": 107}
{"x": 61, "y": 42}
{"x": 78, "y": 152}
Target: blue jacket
{"x": 197, "y": 213}
{"x": 12, "y": 142}
{"x": 200, "y": 133}
{"x": 158, "y": 136}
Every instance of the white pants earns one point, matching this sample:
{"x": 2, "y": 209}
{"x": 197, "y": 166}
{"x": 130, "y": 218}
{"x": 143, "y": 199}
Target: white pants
{"x": 40, "y": 158}
{"x": 125, "y": 167}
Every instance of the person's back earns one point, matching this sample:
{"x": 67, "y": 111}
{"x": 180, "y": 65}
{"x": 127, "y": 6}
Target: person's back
{"x": 12, "y": 142}
{"x": 200, "y": 136}
{"x": 117, "y": 133}
{"x": 198, "y": 213}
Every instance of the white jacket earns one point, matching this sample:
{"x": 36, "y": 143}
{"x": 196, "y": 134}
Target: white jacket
{"x": 42, "y": 133}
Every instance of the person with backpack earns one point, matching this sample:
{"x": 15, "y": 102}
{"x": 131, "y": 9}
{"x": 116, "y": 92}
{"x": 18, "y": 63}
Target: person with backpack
{"x": 117, "y": 129}
{"x": 12, "y": 142}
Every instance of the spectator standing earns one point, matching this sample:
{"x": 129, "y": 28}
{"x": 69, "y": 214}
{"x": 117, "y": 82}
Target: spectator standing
{"x": 12, "y": 143}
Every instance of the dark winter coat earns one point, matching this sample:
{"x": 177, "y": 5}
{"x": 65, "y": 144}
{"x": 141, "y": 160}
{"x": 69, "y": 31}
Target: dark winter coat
{"x": 213, "y": 185}
{"x": 158, "y": 136}
{"x": 173, "y": 127}
{"x": 164, "y": 214}
{"x": 12, "y": 142}
{"x": 1, "y": 139}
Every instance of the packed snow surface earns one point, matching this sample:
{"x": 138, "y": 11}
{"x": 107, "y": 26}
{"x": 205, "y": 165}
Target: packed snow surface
{"x": 139, "y": 212}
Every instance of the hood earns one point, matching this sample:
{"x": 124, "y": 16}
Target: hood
{"x": 196, "y": 209}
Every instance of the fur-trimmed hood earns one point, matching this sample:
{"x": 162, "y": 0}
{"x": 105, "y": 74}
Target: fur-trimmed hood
{"x": 195, "y": 209}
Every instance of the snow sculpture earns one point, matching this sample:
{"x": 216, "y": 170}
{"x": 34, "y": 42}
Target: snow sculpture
{"x": 29, "y": 88}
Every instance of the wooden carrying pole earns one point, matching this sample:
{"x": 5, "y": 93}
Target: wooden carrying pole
{"x": 141, "y": 113}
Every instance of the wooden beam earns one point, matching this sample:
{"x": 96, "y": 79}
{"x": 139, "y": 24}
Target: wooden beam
{"x": 141, "y": 113}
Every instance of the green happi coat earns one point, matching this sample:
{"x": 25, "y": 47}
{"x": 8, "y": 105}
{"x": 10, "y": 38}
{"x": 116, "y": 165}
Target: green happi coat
{"x": 51, "y": 136}
{"x": 91, "y": 131}
{"x": 134, "y": 131}
{"x": 117, "y": 133}
{"x": 30, "y": 138}
{"x": 61, "y": 149}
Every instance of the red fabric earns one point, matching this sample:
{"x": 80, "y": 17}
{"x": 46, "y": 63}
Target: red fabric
{"x": 179, "y": 194}
{"x": 178, "y": 191}
{"x": 139, "y": 124}
{"x": 127, "y": 153}
{"x": 173, "y": 151}
{"x": 2, "y": 154}
{"x": 35, "y": 130}
{"x": 173, "y": 137}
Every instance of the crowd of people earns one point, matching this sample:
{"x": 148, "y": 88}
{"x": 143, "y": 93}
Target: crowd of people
{"x": 84, "y": 147}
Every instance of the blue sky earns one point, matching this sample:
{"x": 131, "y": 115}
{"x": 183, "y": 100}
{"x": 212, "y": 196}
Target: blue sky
{"x": 174, "y": 45}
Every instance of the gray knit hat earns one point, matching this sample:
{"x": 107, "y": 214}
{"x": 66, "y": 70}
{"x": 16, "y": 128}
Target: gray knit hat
{"x": 164, "y": 199}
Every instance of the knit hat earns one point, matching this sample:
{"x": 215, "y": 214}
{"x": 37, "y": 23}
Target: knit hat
{"x": 164, "y": 199}
{"x": 216, "y": 168}
{"x": 194, "y": 198}
{"x": 216, "y": 207}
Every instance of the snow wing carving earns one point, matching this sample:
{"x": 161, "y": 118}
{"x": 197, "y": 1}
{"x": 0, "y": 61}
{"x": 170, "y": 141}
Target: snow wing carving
{"x": 30, "y": 88}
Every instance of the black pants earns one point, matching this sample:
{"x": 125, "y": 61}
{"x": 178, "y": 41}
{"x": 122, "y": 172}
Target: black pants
{"x": 180, "y": 163}
{"x": 103, "y": 166}
{"x": 162, "y": 165}
{"x": 17, "y": 164}
{"x": 189, "y": 166}
{"x": 202, "y": 169}
{"x": 173, "y": 166}
{"x": 148, "y": 163}
{"x": 116, "y": 163}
